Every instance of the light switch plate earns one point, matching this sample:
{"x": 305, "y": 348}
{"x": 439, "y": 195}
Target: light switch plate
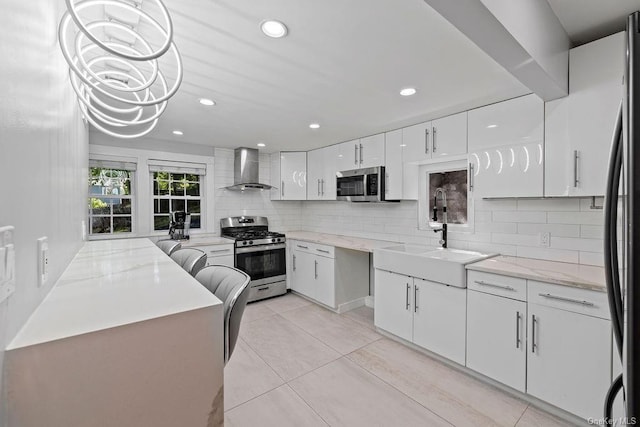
{"x": 7, "y": 263}
{"x": 43, "y": 261}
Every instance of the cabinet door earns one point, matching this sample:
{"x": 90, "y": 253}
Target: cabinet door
{"x": 303, "y": 274}
{"x": 417, "y": 142}
{"x": 324, "y": 276}
{"x": 315, "y": 174}
{"x": 506, "y": 148}
{"x": 393, "y": 165}
{"x": 372, "y": 151}
{"x": 579, "y": 128}
{"x": 439, "y": 322}
{"x": 328, "y": 183}
{"x": 392, "y": 305}
{"x": 569, "y": 359}
{"x": 293, "y": 175}
{"x": 449, "y": 136}
{"x": 496, "y": 343}
{"x": 227, "y": 260}
{"x": 348, "y": 155}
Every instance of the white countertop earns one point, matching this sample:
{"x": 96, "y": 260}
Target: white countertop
{"x": 560, "y": 273}
{"x": 113, "y": 283}
{"x": 340, "y": 241}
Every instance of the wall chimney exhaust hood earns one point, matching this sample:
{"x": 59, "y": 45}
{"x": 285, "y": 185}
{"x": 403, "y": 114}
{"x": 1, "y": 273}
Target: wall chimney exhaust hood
{"x": 246, "y": 165}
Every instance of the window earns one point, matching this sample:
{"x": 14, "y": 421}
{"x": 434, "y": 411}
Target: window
{"x": 110, "y": 199}
{"x": 172, "y": 192}
{"x": 454, "y": 185}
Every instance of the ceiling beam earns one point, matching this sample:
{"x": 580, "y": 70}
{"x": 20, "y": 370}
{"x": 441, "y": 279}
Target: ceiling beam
{"x": 523, "y": 36}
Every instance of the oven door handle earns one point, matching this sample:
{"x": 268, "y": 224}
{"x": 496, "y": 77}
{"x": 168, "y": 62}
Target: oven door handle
{"x": 260, "y": 248}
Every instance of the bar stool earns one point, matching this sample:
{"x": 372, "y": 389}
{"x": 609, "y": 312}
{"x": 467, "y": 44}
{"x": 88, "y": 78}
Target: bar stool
{"x": 192, "y": 260}
{"x": 168, "y": 246}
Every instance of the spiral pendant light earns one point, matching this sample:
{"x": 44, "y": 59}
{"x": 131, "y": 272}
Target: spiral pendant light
{"x": 114, "y": 68}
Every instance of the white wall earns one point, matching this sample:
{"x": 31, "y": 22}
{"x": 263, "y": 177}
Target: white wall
{"x": 43, "y": 155}
{"x": 509, "y": 227}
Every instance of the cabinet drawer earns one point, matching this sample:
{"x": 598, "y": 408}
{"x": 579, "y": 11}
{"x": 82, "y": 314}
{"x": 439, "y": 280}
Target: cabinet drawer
{"x": 217, "y": 250}
{"x": 495, "y": 284}
{"x": 577, "y": 300}
{"x": 227, "y": 260}
{"x": 314, "y": 248}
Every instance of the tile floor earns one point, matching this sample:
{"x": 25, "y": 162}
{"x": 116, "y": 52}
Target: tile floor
{"x": 297, "y": 364}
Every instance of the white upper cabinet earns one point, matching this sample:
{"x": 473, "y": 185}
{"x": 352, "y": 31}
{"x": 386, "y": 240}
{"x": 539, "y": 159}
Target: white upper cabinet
{"x": 506, "y": 148}
{"x": 436, "y": 139}
{"x": 371, "y": 151}
{"x": 289, "y": 175}
{"x": 579, "y": 127}
{"x": 417, "y": 142}
{"x": 449, "y": 136}
{"x": 348, "y": 155}
{"x": 321, "y": 173}
{"x": 393, "y": 168}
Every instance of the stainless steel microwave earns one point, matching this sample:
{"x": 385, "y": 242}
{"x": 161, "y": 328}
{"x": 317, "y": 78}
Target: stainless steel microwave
{"x": 361, "y": 185}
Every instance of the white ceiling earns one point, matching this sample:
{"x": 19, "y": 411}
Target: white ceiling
{"x": 342, "y": 65}
{"x": 588, "y": 20}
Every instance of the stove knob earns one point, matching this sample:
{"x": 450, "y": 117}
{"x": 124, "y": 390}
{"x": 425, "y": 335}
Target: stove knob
{"x": 251, "y": 242}
{"x": 244, "y": 243}
{"x": 279, "y": 239}
{"x": 273, "y": 240}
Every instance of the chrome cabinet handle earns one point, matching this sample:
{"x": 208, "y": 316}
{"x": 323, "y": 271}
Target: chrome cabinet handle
{"x": 322, "y": 182}
{"x": 517, "y": 329}
{"x": 433, "y": 139}
{"x": 493, "y": 285}
{"x": 534, "y": 346}
{"x": 215, "y": 251}
{"x": 386, "y": 183}
{"x": 415, "y": 299}
{"x": 407, "y": 300}
{"x": 318, "y": 187}
{"x": 361, "y": 151}
{"x": 576, "y": 156}
{"x": 426, "y": 141}
{"x": 282, "y": 188}
{"x": 294, "y": 262}
{"x": 316, "y": 268}
{"x": 571, "y": 300}
{"x": 356, "y": 153}
{"x": 324, "y": 251}
{"x": 302, "y": 247}
{"x": 471, "y": 177}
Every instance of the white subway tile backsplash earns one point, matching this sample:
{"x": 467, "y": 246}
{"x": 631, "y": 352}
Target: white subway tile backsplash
{"x": 548, "y": 254}
{"x": 520, "y": 216}
{"x": 514, "y": 239}
{"x": 589, "y": 218}
{"x": 592, "y": 258}
{"x": 592, "y": 231}
{"x": 562, "y": 230}
{"x": 548, "y": 205}
{"x": 587, "y": 245}
{"x": 496, "y": 227}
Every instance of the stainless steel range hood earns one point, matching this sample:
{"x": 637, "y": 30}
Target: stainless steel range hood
{"x": 246, "y": 167}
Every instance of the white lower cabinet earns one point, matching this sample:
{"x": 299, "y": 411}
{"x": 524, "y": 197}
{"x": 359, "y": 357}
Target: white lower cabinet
{"x": 496, "y": 338}
{"x": 332, "y": 276}
{"x": 429, "y": 314}
{"x": 569, "y": 360}
{"x": 219, "y": 254}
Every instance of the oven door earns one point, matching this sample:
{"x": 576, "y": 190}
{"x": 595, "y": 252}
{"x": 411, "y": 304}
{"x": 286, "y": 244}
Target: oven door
{"x": 264, "y": 264}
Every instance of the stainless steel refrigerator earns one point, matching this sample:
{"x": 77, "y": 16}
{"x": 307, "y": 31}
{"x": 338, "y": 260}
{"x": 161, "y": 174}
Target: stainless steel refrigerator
{"x": 622, "y": 232}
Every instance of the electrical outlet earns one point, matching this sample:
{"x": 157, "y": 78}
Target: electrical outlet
{"x": 545, "y": 239}
{"x": 43, "y": 261}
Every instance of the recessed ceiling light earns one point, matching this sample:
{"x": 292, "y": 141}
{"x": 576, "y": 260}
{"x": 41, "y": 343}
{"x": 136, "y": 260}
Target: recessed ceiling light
{"x": 492, "y": 126}
{"x": 274, "y": 29}
{"x": 314, "y": 125}
{"x": 206, "y": 101}
{"x": 261, "y": 144}
{"x": 178, "y": 132}
{"x": 408, "y": 91}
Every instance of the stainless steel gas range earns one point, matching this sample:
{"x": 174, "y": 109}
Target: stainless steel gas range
{"x": 258, "y": 252}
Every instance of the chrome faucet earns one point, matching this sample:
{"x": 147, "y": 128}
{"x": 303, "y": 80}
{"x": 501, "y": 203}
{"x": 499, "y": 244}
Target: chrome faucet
{"x": 443, "y": 228}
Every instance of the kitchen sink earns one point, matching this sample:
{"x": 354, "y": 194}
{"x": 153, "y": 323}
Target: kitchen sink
{"x": 440, "y": 265}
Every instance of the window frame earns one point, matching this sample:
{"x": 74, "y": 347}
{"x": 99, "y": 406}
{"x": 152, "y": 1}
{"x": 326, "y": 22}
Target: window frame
{"x": 132, "y": 197}
{"x": 153, "y": 197}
